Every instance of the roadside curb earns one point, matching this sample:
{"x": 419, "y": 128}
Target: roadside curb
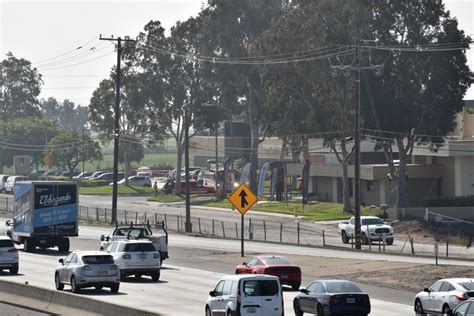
{"x": 62, "y": 303}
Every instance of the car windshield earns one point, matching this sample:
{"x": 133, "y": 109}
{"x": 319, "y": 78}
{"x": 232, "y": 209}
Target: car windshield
{"x": 101, "y": 259}
{"x": 276, "y": 260}
{"x": 6, "y": 243}
{"x": 468, "y": 285}
{"x": 342, "y": 287}
{"x": 372, "y": 221}
{"x": 139, "y": 247}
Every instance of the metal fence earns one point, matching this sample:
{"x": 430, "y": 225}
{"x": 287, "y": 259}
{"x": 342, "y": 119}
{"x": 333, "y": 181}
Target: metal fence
{"x": 288, "y": 231}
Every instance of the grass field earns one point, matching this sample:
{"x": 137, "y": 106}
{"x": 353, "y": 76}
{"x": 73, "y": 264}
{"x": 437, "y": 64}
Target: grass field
{"x": 315, "y": 212}
{"x": 122, "y": 189}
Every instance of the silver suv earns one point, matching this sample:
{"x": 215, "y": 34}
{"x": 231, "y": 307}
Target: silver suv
{"x": 83, "y": 269}
{"x": 136, "y": 257}
{"x": 8, "y": 255}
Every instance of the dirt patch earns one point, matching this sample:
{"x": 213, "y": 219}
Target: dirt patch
{"x": 401, "y": 276}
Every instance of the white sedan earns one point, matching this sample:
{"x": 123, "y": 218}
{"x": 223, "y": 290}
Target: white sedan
{"x": 139, "y": 181}
{"x": 444, "y": 295}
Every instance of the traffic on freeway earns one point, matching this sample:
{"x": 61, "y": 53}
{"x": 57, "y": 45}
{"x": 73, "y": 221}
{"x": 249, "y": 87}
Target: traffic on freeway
{"x": 180, "y": 279}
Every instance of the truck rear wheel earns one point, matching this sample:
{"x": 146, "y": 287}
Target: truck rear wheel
{"x": 29, "y": 245}
{"x": 63, "y": 245}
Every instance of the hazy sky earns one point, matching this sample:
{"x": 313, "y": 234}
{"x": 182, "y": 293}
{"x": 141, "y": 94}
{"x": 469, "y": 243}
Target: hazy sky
{"x": 40, "y": 30}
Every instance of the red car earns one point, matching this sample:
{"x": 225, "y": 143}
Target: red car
{"x": 195, "y": 187}
{"x": 281, "y": 267}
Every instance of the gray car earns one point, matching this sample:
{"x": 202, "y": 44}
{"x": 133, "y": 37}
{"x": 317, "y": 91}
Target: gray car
{"x": 466, "y": 308}
{"x": 83, "y": 269}
{"x": 444, "y": 295}
{"x": 8, "y": 255}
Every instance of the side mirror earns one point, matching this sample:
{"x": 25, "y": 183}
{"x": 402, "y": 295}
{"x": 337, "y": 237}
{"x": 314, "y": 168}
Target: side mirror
{"x": 305, "y": 291}
{"x": 244, "y": 263}
{"x": 102, "y": 238}
{"x": 212, "y": 293}
{"x": 61, "y": 261}
{"x": 426, "y": 290}
{"x": 8, "y": 223}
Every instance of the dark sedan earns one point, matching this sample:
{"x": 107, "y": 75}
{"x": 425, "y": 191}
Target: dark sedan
{"x": 289, "y": 273}
{"x": 332, "y": 297}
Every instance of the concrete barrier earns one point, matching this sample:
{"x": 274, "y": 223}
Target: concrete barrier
{"x": 61, "y": 303}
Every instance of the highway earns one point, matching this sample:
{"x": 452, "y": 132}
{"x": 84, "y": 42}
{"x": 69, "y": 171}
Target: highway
{"x": 182, "y": 290}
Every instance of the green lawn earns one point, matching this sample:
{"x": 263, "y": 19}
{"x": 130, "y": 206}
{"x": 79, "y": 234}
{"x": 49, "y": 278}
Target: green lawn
{"x": 315, "y": 212}
{"x": 122, "y": 189}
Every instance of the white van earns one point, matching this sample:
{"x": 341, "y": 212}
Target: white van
{"x": 10, "y": 184}
{"x": 3, "y": 180}
{"x": 246, "y": 294}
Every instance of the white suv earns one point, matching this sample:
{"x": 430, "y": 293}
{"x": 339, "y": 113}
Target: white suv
{"x": 136, "y": 257}
{"x": 8, "y": 255}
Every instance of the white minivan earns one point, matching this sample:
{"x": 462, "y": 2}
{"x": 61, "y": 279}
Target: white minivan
{"x": 10, "y": 184}
{"x": 246, "y": 294}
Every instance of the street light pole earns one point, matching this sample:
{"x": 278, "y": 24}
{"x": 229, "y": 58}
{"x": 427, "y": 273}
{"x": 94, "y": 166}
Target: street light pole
{"x": 357, "y": 227}
{"x": 188, "y": 225}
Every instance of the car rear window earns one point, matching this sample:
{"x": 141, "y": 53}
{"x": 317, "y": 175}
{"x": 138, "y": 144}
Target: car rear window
{"x": 102, "y": 259}
{"x": 6, "y": 243}
{"x": 276, "y": 260}
{"x": 342, "y": 287}
{"x": 468, "y": 285}
{"x": 261, "y": 288}
{"x": 139, "y": 247}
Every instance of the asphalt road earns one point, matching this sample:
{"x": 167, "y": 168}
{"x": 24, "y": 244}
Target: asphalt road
{"x": 184, "y": 279}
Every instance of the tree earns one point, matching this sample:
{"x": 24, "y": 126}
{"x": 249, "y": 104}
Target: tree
{"x": 25, "y": 136}
{"x": 180, "y": 78}
{"x": 139, "y": 119}
{"x": 19, "y": 88}
{"x": 423, "y": 84}
{"x": 68, "y": 149}
{"x": 66, "y": 114}
{"x": 234, "y": 28}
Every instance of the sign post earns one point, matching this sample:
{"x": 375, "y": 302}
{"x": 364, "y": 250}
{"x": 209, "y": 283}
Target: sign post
{"x": 242, "y": 199}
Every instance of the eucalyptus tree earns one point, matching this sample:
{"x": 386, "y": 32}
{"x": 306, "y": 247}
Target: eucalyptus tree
{"x": 424, "y": 80}
{"x": 234, "y": 29}
{"x": 20, "y": 86}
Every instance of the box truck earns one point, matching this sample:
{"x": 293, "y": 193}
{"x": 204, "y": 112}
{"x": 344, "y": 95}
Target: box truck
{"x": 44, "y": 214}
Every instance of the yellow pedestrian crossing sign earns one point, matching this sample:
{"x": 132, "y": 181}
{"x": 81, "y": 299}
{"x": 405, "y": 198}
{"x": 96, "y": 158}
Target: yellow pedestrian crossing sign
{"x": 243, "y": 198}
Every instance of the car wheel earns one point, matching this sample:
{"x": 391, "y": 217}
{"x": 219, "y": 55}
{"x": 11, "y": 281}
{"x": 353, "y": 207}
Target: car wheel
{"x": 122, "y": 275}
{"x": 155, "y": 276}
{"x": 365, "y": 240}
{"x": 57, "y": 282}
{"x": 74, "y": 287}
{"x": 64, "y": 245}
{"x": 114, "y": 288}
{"x": 296, "y": 307}
{"x": 296, "y": 286}
{"x": 208, "y": 311}
{"x": 418, "y": 307}
{"x": 29, "y": 245}
{"x": 389, "y": 241}
{"x": 14, "y": 270}
{"x": 320, "y": 310}
{"x": 447, "y": 310}
{"x": 345, "y": 239}
{"x": 99, "y": 287}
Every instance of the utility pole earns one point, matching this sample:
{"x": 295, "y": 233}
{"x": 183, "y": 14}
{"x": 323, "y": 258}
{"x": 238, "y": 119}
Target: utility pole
{"x": 117, "y": 121}
{"x": 357, "y": 156}
{"x": 347, "y": 70}
{"x": 188, "y": 225}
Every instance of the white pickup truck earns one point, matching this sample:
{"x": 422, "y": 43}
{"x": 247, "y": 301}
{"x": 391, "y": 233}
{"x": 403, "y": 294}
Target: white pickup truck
{"x": 372, "y": 228}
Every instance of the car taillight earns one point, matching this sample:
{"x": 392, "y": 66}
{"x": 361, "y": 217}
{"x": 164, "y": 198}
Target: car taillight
{"x": 333, "y": 300}
{"x": 461, "y": 296}
{"x": 127, "y": 256}
{"x": 13, "y": 250}
{"x": 86, "y": 268}
{"x": 156, "y": 255}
